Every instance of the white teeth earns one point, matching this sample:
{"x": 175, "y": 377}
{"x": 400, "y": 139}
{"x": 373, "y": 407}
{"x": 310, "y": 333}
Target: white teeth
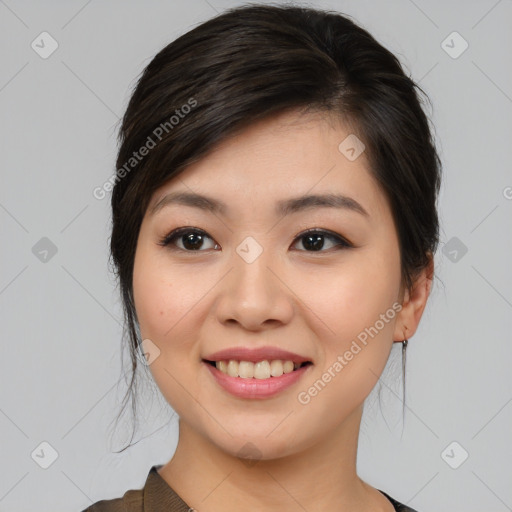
{"x": 288, "y": 366}
{"x": 233, "y": 369}
{"x": 260, "y": 370}
{"x": 222, "y": 366}
{"x": 246, "y": 369}
{"x": 276, "y": 368}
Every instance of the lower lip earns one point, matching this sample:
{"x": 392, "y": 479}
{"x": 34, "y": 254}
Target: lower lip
{"x": 256, "y": 388}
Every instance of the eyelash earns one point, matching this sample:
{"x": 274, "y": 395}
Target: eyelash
{"x": 168, "y": 240}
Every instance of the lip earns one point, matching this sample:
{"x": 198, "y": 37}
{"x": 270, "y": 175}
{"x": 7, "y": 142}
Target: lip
{"x": 254, "y": 355}
{"x": 256, "y": 388}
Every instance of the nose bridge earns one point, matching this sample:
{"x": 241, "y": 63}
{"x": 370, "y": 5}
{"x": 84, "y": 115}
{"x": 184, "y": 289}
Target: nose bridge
{"x": 253, "y": 294}
{"x": 252, "y": 276}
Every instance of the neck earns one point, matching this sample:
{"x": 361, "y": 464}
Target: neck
{"x": 321, "y": 477}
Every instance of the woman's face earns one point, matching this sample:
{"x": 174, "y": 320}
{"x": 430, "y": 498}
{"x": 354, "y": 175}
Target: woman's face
{"x": 248, "y": 276}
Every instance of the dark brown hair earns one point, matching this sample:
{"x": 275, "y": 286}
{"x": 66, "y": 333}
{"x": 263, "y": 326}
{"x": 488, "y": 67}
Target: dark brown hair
{"x": 255, "y": 61}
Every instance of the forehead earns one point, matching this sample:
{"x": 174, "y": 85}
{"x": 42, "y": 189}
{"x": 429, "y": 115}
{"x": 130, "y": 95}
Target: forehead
{"x": 280, "y": 157}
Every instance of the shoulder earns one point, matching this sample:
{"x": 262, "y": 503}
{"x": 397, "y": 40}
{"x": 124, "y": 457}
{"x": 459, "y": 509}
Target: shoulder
{"x": 155, "y": 495}
{"x": 132, "y": 501}
{"x": 399, "y": 507}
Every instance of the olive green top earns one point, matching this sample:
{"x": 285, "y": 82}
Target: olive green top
{"x": 158, "y": 496}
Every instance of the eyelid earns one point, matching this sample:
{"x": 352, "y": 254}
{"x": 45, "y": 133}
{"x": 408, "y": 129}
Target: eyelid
{"x": 327, "y": 233}
{"x": 174, "y": 234}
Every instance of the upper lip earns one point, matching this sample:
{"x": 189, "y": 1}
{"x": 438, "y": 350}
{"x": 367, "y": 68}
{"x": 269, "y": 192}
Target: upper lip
{"x": 256, "y": 354}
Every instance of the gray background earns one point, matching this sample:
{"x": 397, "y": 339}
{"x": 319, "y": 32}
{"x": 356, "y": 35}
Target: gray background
{"x": 61, "y": 375}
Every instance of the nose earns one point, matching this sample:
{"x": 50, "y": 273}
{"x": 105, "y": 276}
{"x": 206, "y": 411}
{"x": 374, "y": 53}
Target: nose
{"x": 254, "y": 294}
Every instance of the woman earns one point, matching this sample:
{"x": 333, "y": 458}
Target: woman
{"x": 274, "y": 226}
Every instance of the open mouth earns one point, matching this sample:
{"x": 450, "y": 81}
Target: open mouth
{"x": 260, "y": 370}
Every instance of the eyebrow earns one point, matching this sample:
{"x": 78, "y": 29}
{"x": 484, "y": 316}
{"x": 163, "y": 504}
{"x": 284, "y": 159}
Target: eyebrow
{"x": 283, "y": 207}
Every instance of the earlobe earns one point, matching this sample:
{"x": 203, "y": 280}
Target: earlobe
{"x": 414, "y": 304}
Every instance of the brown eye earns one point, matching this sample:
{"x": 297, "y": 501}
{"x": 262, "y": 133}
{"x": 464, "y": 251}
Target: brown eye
{"x": 314, "y": 240}
{"x": 193, "y": 240}
{"x": 190, "y": 239}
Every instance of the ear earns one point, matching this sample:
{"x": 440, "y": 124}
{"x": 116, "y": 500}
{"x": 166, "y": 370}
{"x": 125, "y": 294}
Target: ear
{"x": 414, "y": 303}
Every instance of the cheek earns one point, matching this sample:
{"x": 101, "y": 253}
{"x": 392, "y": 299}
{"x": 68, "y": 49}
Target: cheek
{"x": 149, "y": 295}
{"x": 355, "y": 295}
{"x": 356, "y": 306}
{"x": 161, "y": 303}
{"x": 162, "y": 295}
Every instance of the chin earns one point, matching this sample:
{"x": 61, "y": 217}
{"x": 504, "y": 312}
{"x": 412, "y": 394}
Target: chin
{"x": 259, "y": 446}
